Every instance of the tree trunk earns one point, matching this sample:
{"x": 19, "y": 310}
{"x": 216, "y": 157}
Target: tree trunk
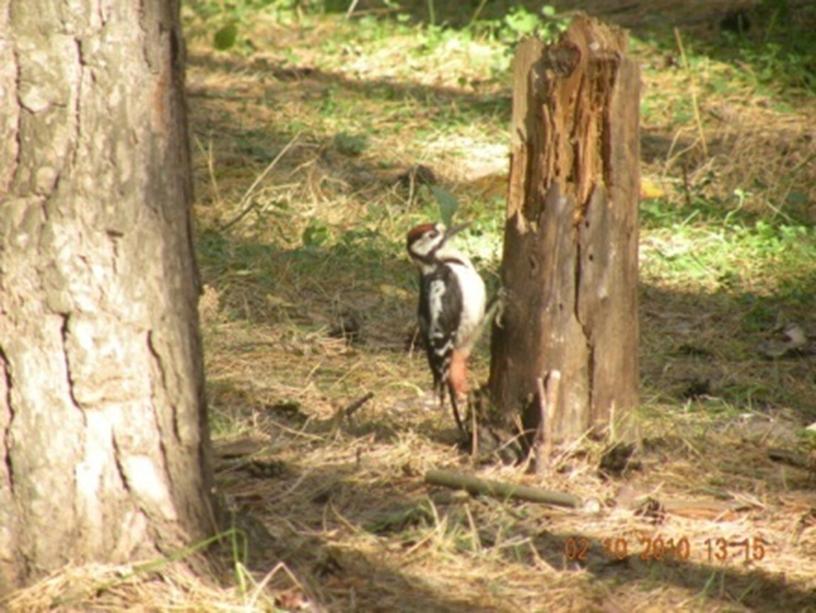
{"x": 104, "y": 446}
{"x": 569, "y": 266}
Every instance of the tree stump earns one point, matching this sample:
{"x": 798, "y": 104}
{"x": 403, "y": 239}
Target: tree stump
{"x": 569, "y": 265}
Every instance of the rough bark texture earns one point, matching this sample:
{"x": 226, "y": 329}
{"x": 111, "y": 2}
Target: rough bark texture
{"x": 103, "y": 435}
{"x": 570, "y": 248}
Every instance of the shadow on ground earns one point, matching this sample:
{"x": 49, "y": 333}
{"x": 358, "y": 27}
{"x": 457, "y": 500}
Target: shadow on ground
{"x": 391, "y": 518}
{"x": 695, "y": 347}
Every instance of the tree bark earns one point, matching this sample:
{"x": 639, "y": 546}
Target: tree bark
{"x": 569, "y": 266}
{"x": 104, "y": 443}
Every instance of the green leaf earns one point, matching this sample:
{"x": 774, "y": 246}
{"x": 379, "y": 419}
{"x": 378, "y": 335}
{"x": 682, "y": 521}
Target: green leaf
{"x": 521, "y": 21}
{"x": 225, "y": 37}
{"x": 447, "y": 204}
{"x": 315, "y": 234}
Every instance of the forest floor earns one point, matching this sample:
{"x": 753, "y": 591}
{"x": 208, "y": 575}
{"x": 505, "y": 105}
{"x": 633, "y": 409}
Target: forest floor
{"x": 306, "y": 126}
{"x": 305, "y": 133}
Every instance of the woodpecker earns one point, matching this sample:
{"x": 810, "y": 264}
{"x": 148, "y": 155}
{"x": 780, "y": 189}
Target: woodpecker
{"x": 451, "y": 308}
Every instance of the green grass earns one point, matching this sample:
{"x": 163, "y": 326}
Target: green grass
{"x": 726, "y": 251}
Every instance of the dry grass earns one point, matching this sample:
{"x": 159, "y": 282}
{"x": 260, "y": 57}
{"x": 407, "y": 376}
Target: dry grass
{"x": 336, "y": 510}
{"x": 347, "y": 508}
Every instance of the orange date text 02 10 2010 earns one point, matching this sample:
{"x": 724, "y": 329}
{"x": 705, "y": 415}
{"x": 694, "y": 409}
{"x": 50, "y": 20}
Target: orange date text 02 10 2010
{"x": 657, "y": 548}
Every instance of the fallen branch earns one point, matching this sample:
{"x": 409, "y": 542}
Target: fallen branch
{"x": 791, "y": 458}
{"x": 500, "y": 489}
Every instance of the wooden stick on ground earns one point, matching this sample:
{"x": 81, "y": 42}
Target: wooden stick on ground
{"x": 500, "y": 489}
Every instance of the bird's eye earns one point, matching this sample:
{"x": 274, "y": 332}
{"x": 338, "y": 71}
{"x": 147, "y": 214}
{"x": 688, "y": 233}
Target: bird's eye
{"x": 434, "y": 234}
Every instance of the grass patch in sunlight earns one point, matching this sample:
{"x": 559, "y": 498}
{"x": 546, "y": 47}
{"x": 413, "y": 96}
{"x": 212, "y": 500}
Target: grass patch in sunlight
{"x": 719, "y": 250}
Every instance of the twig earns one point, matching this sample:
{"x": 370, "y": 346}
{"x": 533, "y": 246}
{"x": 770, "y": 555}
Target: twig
{"x": 248, "y": 194}
{"x": 351, "y": 8}
{"x": 500, "y": 489}
{"x": 538, "y": 443}
{"x": 686, "y": 185}
{"x": 474, "y": 433}
{"x": 413, "y": 343}
{"x": 353, "y": 407}
{"x": 477, "y": 12}
{"x": 693, "y": 90}
{"x": 210, "y": 169}
{"x": 301, "y": 433}
{"x": 547, "y": 401}
{"x": 553, "y": 385}
{"x": 383, "y": 10}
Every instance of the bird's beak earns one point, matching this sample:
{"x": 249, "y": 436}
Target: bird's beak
{"x": 455, "y": 230}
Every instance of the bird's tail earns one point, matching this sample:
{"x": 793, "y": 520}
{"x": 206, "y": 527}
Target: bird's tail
{"x": 457, "y": 383}
{"x": 455, "y": 406}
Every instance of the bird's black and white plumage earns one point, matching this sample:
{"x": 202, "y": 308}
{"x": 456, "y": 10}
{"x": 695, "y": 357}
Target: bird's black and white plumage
{"x": 451, "y": 307}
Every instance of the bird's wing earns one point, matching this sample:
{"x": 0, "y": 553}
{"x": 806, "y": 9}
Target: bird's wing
{"x": 443, "y": 309}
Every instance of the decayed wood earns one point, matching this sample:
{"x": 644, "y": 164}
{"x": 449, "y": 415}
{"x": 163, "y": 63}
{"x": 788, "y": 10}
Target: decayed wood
{"x": 104, "y": 446}
{"x": 500, "y": 489}
{"x": 569, "y": 267}
{"x": 547, "y": 402}
{"x": 553, "y": 389}
{"x": 540, "y": 437}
